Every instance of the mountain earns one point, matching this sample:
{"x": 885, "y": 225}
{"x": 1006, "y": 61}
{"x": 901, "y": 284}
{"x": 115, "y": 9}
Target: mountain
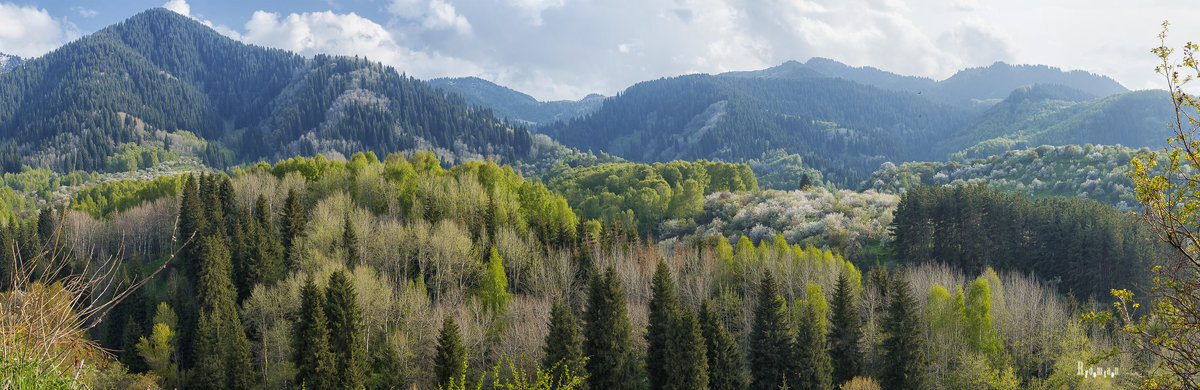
{"x": 973, "y": 86}
{"x": 842, "y": 128}
{"x": 514, "y": 105}
{"x": 9, "y": 62}
{"x": 164, "y": 81}
{"x": 1057, "y": 115}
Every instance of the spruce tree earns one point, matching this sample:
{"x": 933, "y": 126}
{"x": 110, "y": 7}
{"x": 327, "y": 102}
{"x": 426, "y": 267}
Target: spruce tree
{"x": 345, "y": 333}
{"x": 315, "y": 364}
{"x": 293, "y": 221}
{"x": 813, "y": 369}
{"x": 450, "y": 363}
{"x": 350, "y": 243}
{"x": 844, "y": 333}
{"x": 387, "y": 370}
{"x": 267, "y": 248}
{"x": 903, "y": 361}
{"x": 564, "y": 345}
{"x": 611, "y": 362}
{"x": 726, "y": 371}
{"x": 221, "y": 350}
{"x": 686, "y": 352}
{"x": 192, "y": 223}
{"x": 663, "y": 307}
{"x": 770, "y": 355}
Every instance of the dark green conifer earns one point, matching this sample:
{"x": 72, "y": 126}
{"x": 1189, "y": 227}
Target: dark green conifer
{"x": 611, "y": 363}
{"x": 903, "y": 361}
{"x": 844, "y": 333}
{"x": 293, "y": 221}
{"x": 450, "y": 363}
{"x": 771, "y": 339}
{"x": 345, "y": 333}
{"x": 564, "y": 344}
{"x": 663, "y": 307}
{"x": 221, "y": 350}
{"x": 387, "y": 371}
{"x": 686, "y": 352}
{"x": 315, "y": 365}
{"x": 350, "y": 243}
{"x": 812, "y": 368}
{"x": 726, "y": 371}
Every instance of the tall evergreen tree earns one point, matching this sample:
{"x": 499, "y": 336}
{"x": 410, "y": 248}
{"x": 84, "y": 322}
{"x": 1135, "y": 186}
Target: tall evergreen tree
{"x": 293, "y": 221}
{"x": 192, "y": 224}
{"x": 387, "y": 370}
{"x": 813, "y": 369}
{"x": 315, "y": 364}
{"x": 611, "y": 362}
{"x": 221, "y": 350}
{"x": 663, "y": 307}
{"x": 564, "y": 345}
{"x": 350, "y": 243}
{"x": 267, "y": 248}
{"x": 687, "y": 352}
{"x": 903, "y": 361}
{"x": 770, "y": 339}
{"x": 844, "y": 333}
{"x": 450, "y": 363}
{"x": 726, "y": 371}
{"x": 345, "y": 332}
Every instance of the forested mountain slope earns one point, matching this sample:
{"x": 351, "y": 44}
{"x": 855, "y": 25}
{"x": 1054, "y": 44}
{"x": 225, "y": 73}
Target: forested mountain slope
{"x": 159, "y": 77}
{"x": 516, "y": 106}
{"x": 9, "y": 62}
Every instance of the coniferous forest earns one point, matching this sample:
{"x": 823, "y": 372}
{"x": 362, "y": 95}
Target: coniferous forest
{"x": 180, "y": 210}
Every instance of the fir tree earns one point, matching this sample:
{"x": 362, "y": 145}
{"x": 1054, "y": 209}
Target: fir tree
{"x": 611, "y": 363}
{"x": 293, "y": 221}
{"x": 387, "y": 371}
{"x": 564, "y": 345}
{"x": 345, "y": 332}
{"x": 221, "y": 350}
{"x": 450, "y": 363}
{"x": 267, "y": 248}
{"x": 350, "y": 243}
{"x": 315, "y": 365}
{"x": 844, "y": 333}
{"x": 903, "y": 362}
{"x": 813, "y": 368}
{"x": 663, "y": 307}
{"x": 726, "y": 371}
{"x": 192, "y": 224}
{"x": 770, "y": 339}
{"x": 687, "y": 353}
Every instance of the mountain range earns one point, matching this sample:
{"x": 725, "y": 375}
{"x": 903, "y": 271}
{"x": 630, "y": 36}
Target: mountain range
{"x": 165, "y": 82}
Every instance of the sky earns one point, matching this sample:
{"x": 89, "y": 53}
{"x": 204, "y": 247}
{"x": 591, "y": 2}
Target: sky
{"x": 566, "y": 49}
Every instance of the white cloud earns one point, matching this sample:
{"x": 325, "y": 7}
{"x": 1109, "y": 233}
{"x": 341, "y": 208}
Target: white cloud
{"x": 29, "y": 31}
{"x": 346, "y": 34}
{"x": 431, "y": 15}
{"x": 85, "y": 12}
{"x": 180, "y": 7}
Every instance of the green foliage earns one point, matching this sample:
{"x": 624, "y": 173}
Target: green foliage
{"x": 903, "y": 344}
{"x": 771, "y": 339}
{"x": 564, "y": 347}
{"x": 316, "y": 366}
{"x": 687, "y": 350}
{"x": 493, "y": 289}
{"x": 845, "y": 332}
{"x": 726, "y": 371}
{"x": 663, "y": 307}
{"x": 28, "y": 374}
{"x": 814, "y": 369}
{"x": 159, "y": 349}
{"x": 450, "y": 362}
{"x": 607, "y": 333}
{"x": 104, "y": 199}
{"x": 221, "y": 350}
{"x": 345, "y": 331}
{"x": 132, "y": 157}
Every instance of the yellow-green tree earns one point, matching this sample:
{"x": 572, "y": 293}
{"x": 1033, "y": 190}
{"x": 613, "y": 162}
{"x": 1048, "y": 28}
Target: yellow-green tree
{"x": 1168, "y": 185}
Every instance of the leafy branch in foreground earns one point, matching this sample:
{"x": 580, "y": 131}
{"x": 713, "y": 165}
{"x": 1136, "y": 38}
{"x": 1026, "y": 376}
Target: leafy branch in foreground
{"x": 1170, "y": 193}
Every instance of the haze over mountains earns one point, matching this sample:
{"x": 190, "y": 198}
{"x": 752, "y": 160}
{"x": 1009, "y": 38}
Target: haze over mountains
{"x": 161, "y": 81}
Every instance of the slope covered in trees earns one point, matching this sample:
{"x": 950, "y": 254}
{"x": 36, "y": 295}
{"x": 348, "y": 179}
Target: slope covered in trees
{"x": 159, "y": 76}
{"x": 516, "y": 106}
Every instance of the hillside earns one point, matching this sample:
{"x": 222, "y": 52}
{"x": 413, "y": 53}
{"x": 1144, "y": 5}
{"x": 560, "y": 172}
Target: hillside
{"x": 9, "y": 62}
{"x": 516, "y": 106}
{"x": 160, "y": 77}
{"x": 841, "y": 128}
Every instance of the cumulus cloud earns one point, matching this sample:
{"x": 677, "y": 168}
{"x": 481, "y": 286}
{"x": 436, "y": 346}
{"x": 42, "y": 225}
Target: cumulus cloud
{"x": 431, "y": 15}
{"x": 85, "y": 12}
{"x": 345, "y": 34}
{"x": 29, "y": 31}
{"x": 180, "y": 7}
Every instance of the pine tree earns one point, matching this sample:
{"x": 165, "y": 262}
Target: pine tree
{"x": 221, "y": 350}
{"x": 387, "y": 370}
{"x": 687, "y": 352}
{"x": 663, "y": 307}
{"x": 267, "y": 248}
{"x": 844, "y": 333}
{"x": 192, "y": 224}
{"x": 350, "y": 243}
{"x": 903, "y": 362}
{"x": 611, "y": 363}
{"x": 726, "y": 371}
{"x": 564, "y": 345}
{"x": 315, "y": 364}
{"x": 293, "y": 221}
{"x": 770, "y": 339}
{"x": 345, "y": 333}
{"x": 450, "y": 363}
